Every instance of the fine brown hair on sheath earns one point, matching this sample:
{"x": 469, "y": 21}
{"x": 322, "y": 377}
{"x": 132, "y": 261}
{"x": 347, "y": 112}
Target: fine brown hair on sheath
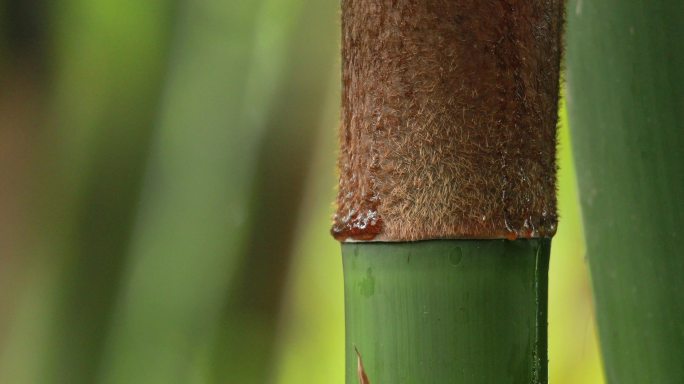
{"x": 449, "y": 113}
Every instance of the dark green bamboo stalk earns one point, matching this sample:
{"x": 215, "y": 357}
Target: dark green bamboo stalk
{"x": 447, "y": 311}
{"x": 625, "y": 98}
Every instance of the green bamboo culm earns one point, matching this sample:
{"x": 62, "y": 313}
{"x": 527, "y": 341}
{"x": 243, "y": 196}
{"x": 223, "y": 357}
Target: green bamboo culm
{"x": 447, "y": 311}
{"x": 448, "y": 130}
{"x": 625, "y": 97}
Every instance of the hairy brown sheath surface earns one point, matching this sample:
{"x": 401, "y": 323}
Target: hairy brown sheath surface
{"x": 449, "y": 113}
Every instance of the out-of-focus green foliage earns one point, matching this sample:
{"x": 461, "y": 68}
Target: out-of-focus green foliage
{"x": 167, "y": 173}
{"x": 107, "y": 60}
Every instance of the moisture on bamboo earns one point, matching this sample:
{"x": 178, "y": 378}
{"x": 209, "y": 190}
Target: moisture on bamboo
{"x": 446, "y": 200}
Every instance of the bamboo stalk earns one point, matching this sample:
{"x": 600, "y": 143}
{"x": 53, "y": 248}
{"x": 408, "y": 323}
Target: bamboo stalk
{"x": 448, "y": 134}
{"x": 625, "y": 95}
{"x": 447, "y": 311}
{"x": 449, "y": 114}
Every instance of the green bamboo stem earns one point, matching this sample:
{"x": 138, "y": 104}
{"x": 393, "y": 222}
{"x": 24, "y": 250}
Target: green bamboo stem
{"x": 447, "y": 311}
{"x": 626, "y": 91}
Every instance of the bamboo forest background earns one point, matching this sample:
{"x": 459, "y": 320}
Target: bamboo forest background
{"x": 166, "y": 176}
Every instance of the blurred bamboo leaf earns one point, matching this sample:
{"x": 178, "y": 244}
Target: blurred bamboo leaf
{"x": 249, "y": 325}
{"x": 193, "y": 231}
{"x": 106, "y": 79}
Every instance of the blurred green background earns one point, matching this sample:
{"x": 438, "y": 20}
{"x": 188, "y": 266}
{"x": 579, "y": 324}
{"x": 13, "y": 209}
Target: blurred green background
{"x": 166, "y": 176}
